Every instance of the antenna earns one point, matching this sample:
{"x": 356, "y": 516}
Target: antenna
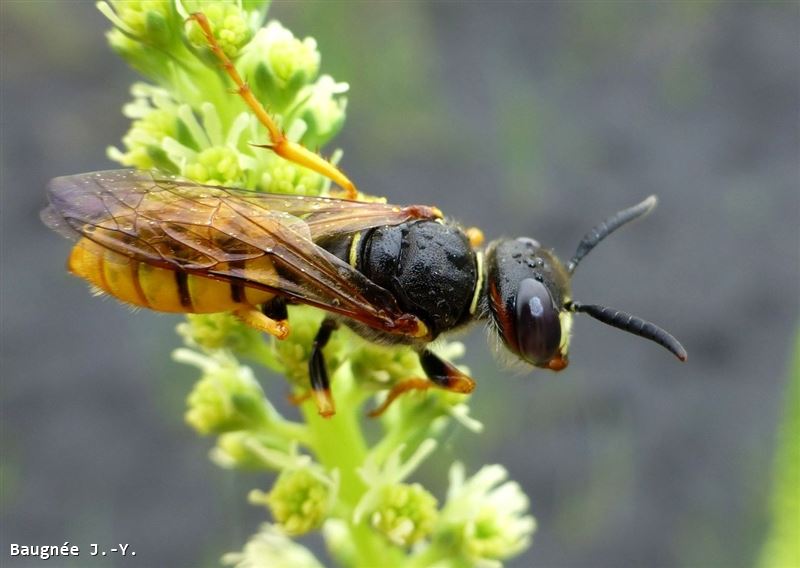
{"x": 601, "y": 231}
{"x": 631, "y": 324}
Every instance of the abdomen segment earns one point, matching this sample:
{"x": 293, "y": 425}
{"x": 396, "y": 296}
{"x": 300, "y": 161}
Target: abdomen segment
{"x": 162, "y": 289}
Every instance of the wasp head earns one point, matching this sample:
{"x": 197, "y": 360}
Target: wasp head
{"x": 530, "y": 302}
{"x": 528, "y": 289}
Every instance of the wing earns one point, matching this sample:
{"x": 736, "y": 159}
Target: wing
{"x": 213, "y": 231}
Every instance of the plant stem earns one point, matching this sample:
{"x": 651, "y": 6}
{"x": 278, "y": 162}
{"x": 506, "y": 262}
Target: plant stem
{"x": 339, "y": 444}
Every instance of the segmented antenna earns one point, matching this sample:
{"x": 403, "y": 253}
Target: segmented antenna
{"x": 601, "y": 231}
{"x": 631, "y": 324}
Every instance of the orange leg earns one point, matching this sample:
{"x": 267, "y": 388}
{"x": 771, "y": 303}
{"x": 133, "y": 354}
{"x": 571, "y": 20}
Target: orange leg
{"x": 279, "y": 144}
{"x": 398, "y": 389}
{"x": 441, "y": 374}
{"x": 256, "y": 319}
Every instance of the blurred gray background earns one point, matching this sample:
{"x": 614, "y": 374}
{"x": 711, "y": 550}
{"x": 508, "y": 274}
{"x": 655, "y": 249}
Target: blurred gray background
{"x": 524, "y": 119}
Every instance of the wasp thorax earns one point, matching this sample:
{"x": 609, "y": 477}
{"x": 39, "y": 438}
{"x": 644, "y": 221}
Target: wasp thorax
{"x": 528, "y": 288}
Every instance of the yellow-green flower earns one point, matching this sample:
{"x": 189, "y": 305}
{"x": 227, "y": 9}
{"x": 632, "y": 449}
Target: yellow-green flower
{"x": 288, "y": 56}
{"x": 229, "y": 24}
{"x": 215, "y": 166}
{"x": 273, "y": 445}
{"x": 236, "y": 450}
{"x": 277, "y": 65}
{"x": 147, "y": 21}
{"x": 322, "y": 110}
{"x": 143, "y": 142}
{"x": 269, "y": 548}
{"x": 382, "y": 365}
{"x": 300, "y": 500}
{"x": 226, "y": 398}
{"x": 282, "y": 176}
{"x": 486, "y": 515}
{"x": 155, "y": 119}
{"x": 404, "y": 513}
{"x": 218, "y": 331}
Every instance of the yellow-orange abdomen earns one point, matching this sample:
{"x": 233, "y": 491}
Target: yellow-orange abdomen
{"x": 163, "y": 289}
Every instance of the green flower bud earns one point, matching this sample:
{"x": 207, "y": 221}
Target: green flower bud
{"x": 234, "y": 450}
{"x": 404, "y": 513}
{"x": 277, "y": 65}
{"x": 123, "y": 45}
{"x": 143, "y": 142}
{"x": 299, "y": 501}
{"x": 323, "y": 110}
{"x": 384, "y": 365}
{"x": 219, "y": 331}
{"x": 282, "y": 176}
{"x": 226, "y": 398}
{"x": 146, "y": 20}
{"x": 218, "y": 165}
{"x": 147, "y": 60}
{"x": 272, "y": 447}
{"x": 228, "y": 24}
{"x": 143, "y": 31}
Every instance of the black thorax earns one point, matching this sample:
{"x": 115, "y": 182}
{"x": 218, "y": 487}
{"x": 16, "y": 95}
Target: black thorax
{"x": 428, "y": 266}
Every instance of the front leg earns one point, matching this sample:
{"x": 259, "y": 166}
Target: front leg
{"x": 440, "y": 373}
{"x": 279, "y": 144}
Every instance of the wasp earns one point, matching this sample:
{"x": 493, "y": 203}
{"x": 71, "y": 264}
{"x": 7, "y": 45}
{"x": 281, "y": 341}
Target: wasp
{"x": 394, "y": 274}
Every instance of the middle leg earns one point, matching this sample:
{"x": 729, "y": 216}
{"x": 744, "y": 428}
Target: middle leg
{"x": 318, "y": 372}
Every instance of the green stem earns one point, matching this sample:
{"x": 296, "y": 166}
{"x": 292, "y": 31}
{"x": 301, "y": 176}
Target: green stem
{"x": 338, "y": 441}
{"x": 339, "y": 444}
{"x": 411, "y": 430}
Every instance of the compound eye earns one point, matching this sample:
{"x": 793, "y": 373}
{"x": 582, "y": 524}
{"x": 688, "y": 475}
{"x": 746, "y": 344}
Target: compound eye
{"x": 538, "y": 325}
